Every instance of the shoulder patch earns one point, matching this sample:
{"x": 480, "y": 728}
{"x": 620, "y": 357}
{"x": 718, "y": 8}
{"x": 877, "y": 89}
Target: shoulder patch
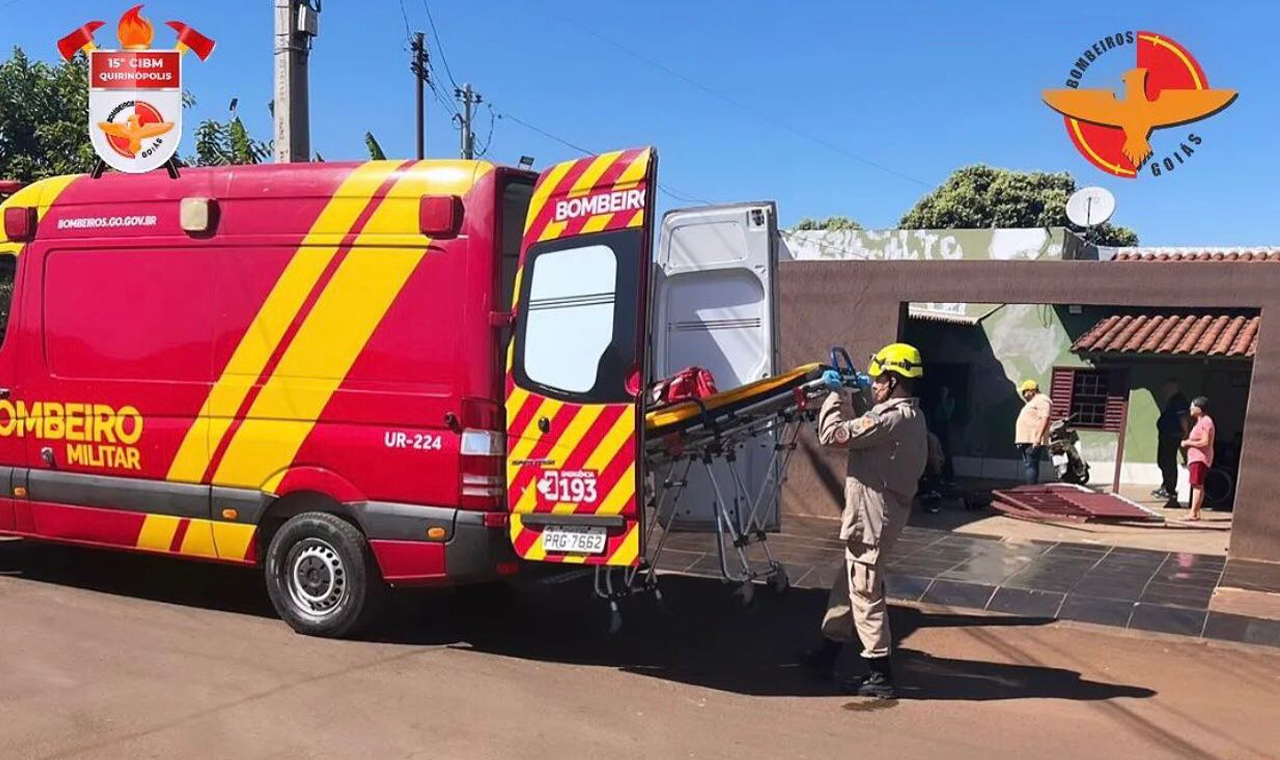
{"x": 865, "y": 423}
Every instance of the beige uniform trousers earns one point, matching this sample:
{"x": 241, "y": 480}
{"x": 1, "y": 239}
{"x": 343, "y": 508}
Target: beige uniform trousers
{"x": 857, "y": 600}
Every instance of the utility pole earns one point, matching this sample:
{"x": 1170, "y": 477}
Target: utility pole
{"x": 419, "y": 68}
{"x": 469, "y": 98}
{"x": 296, "y": 23}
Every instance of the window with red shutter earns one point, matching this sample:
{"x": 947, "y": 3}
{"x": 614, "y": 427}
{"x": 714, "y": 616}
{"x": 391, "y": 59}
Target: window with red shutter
{"x": 1060, "y": 391}
{"x": 1096, "y": 397}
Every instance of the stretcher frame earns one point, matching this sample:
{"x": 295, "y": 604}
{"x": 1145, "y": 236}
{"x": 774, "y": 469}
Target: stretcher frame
{"x": 718, "y": 435}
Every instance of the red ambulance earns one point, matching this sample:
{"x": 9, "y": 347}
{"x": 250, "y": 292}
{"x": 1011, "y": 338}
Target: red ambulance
{"x": 354, "y": 375}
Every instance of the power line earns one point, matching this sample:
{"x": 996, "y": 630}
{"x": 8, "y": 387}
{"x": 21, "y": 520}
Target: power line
{"x": 439, "y": 48}
{"x": 739, "y": 104}
{"x": 682, "y": 197}
{"x": 488, "y": 140}
{"x": 494, "y": 114}
{"x": 435, "y": 92}
{"x": 544, "y": 133}
{"x": 667, "y": 189}
{"x": 408, "y": 33}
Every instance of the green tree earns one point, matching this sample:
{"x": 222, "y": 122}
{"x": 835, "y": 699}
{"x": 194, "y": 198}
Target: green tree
{"x": 981, "y": 196}
{"x": 43, "y": 109}
{"x": 221, "y": 143}
{"x": 830, "y": 223}
{"x": 375, "y": 150}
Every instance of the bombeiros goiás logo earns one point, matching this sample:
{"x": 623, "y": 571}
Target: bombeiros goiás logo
{"x": 135, "y": 93}
{"x": 1166, "y": 88}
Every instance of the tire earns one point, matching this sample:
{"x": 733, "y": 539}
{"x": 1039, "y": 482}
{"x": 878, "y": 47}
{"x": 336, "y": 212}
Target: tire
{"x": 13, "y": 553}
{"x": 1076, "y": 477}
{"x": 1219, "y": 487}
{"x": 322, "y": 577}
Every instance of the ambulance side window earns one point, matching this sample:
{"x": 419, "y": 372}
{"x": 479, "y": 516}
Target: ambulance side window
{"x": 515, "y": 205}
{"x": 8, "y": 270}
{"x": 577, "y": 318}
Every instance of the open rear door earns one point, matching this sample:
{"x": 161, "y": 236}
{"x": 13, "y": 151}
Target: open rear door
{"x": 715, "y": 296}
{"x": 576, "y": 365}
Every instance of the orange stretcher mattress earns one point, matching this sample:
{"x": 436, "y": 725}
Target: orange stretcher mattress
{"x": 715, "y": 409}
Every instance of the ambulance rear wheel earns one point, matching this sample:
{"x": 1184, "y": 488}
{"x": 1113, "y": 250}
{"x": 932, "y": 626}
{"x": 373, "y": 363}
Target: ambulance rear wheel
{"x": 322, "y": 577}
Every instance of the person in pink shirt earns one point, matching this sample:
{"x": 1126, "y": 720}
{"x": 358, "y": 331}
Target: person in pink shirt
{"x": 1199, "y": 446}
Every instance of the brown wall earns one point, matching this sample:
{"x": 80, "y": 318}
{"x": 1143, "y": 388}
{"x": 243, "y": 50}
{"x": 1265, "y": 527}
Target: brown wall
{"x": 861, "y": 305}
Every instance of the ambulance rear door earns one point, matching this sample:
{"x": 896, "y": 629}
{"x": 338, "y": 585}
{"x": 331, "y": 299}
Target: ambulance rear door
{"x": 577, "y": 362}
{"x": 715, "y": 303}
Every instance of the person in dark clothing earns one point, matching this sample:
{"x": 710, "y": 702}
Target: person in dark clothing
{"x": 1171, "y": 427}
{"x": 942, "y": 428}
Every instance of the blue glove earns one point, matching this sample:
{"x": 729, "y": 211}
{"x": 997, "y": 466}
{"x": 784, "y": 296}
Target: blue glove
{"x": 862, "y": 380}
{"x": 833, "y": 380}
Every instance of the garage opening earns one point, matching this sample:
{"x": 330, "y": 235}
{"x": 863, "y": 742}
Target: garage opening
{"x": 1123, "y": 376}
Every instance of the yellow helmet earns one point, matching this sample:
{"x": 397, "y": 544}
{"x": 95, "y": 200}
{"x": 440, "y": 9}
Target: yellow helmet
{"x": 1028, "y": 385}
{"x": 899, "y": 358}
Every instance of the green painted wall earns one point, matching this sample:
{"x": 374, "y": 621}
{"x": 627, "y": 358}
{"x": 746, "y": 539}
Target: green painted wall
{"x": 1015, "y": 343}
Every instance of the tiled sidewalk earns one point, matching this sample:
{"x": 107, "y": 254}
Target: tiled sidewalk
{"x": 1128, "y": 588}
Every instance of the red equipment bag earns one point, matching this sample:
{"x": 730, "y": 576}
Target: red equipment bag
{"x": 688, "y": 383}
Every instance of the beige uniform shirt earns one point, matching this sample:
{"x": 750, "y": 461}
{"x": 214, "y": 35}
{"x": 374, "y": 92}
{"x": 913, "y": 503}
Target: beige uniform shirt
{"x": 1031, "y": 418}
{"x": 888, "y": 449}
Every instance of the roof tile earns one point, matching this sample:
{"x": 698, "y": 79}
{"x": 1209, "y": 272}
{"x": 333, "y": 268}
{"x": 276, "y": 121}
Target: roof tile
{"x": 1185, "y": 254}
{"x": 1223, "y": 335}
{"x": 1246, "y": 341}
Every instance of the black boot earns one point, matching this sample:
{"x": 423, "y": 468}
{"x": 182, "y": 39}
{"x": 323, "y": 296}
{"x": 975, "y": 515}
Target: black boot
{"x": 877, "y": 683}
{"x": 822, "y": 658}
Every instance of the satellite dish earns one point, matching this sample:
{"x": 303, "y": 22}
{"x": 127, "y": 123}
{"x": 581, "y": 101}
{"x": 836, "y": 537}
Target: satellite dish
{"x": 1090, "y": 206}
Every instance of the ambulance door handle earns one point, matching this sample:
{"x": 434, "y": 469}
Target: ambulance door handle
{"x": 544, "y": 424}
{"x": 46, "y": 454}
{"x": 4, "y": 392}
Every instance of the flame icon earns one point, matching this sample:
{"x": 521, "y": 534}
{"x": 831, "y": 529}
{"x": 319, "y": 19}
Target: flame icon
{"x": 135, "y": 31}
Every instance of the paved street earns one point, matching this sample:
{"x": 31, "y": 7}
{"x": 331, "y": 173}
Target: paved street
{"x": 111, "y": 656}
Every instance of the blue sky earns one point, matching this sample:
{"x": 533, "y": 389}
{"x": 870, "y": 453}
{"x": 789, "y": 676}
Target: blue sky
{"x": 849, "y": 108}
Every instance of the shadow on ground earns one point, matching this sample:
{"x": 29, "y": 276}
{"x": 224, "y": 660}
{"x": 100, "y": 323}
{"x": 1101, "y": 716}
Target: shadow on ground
{"x": 708, "y": 639}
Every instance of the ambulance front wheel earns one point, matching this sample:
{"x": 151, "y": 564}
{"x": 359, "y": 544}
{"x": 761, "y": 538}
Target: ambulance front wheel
{"x": 322, "y": 577}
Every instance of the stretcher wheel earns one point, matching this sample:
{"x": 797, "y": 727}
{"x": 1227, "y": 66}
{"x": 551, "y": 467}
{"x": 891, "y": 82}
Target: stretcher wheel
{"x": 615, "y": 619}
{"x": 746, "y": 593}
{"x": 780, "y": 582}
{"x": 661, "y": 601}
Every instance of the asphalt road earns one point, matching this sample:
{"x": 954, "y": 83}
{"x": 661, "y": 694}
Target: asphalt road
{"x": 115, "y": 656}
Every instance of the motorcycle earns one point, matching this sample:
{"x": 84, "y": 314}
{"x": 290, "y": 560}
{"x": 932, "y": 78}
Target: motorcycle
{"x": 1064, "y": 451}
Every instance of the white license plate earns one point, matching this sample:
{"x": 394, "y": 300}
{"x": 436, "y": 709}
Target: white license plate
{"x": 1059, "y": 460}
{"x": 573, "y": 539}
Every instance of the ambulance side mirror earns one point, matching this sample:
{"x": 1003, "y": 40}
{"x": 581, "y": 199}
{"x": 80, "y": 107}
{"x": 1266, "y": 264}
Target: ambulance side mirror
{"x": 20, "y": 224}
{"x": 440, "y": 216}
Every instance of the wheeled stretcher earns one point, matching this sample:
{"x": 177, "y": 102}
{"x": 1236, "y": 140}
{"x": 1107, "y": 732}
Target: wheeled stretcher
{"x": 710, "y": 434}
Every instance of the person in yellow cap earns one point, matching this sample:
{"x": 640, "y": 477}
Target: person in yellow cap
{"x": 1031, "y": 429}
{"x": 888, "y": 448}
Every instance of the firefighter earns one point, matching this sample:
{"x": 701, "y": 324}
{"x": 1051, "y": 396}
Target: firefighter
{"x": 888, "y": 449}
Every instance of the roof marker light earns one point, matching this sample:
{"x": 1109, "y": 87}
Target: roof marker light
{"x": 198, "y": 215}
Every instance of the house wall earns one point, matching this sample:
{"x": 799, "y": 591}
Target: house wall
{"x": 862, "y": 305}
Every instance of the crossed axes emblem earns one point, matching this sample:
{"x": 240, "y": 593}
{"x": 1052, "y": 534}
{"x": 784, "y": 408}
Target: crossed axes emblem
{"x": 135, "y": 33}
